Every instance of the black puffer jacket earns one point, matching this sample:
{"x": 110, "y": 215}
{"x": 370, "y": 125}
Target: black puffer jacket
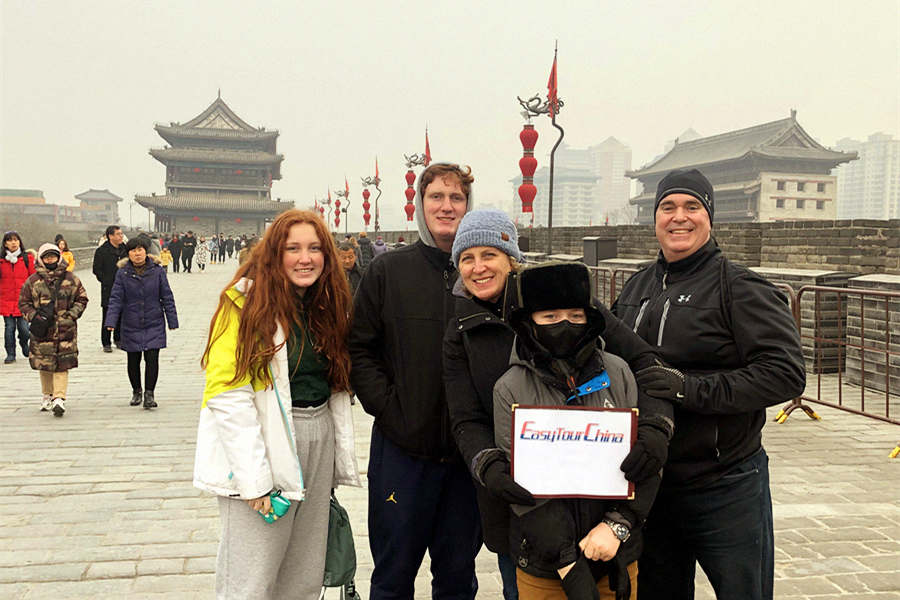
{"x": 738, "y": 345}
{"x": 477, "y": 349}
{"x": 400, "y": 312}
{"x": 105, "y": 267}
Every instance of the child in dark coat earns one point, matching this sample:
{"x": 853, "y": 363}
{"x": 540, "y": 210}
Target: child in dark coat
{"x": 142, "y": 297}
{"x": 569, "y": 547}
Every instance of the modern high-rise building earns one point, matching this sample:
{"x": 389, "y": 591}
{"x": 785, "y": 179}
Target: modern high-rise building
{"x": 869, "y": 188}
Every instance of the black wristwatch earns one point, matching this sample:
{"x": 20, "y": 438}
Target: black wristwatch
{"x": 621, "y": 531}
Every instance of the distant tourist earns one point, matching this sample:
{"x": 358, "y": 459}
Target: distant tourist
{"x": 347, "y": 255}
{"x": 366, "y": 250}
{"x": 175, "y": 249}
{"x": 220, "y": 246}
{"x": 165, "y": 257}
{"x": 16, "y": 266}
{"x": 379, "y": 247}
{"x": 276, "y": 421}
{"x": 229, "y": 246}
{"x": 188, "y": 247}
{"x": 204, "y": 252}
{"x": 212, "y": 248}
{"x": 400, "y": 242}
{"x": 67, "y": 255}
{"x": 142, "y": 301}
{"x": 53, "y": 351}
{"x": 104, "y": 269}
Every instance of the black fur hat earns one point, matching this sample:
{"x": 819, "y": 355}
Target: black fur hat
{"x": 552, "y": 285}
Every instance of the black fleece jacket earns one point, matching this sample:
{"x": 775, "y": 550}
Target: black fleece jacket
{"x": 400, "y": 312}
{"x": 737, "y": 344}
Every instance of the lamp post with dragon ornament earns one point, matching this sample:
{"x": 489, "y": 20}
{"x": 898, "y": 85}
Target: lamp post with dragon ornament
{"x": 527, "y": 164}
{"x": 371, "y": 181}
{"x": 345, "y": 195}
{"x": 412, "y": 161}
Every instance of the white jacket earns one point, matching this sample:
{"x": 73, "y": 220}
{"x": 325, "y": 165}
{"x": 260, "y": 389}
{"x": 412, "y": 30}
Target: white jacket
{"x": 246, "y": 445}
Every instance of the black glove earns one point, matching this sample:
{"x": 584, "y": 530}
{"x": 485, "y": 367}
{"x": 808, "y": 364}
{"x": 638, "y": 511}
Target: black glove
{"x": 497, "y": 480}
{"x": 662, "y": 382}
{"x": 648, "y": 454}
{"x": 619, "y": 580}
{"x": 579, "y": 584}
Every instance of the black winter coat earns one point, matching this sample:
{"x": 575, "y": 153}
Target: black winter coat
{"x": 400, "y": 312}
{"x": 737, "y": 344}
{"x": 105, "y": 267}
{"x": 477, "y": 349}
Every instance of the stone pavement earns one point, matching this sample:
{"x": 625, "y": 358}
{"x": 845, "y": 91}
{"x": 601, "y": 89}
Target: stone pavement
{"x": 100, "y": 502}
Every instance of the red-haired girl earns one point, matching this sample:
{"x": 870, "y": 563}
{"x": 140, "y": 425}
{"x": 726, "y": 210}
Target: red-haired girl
{"x": 276, "y": 410}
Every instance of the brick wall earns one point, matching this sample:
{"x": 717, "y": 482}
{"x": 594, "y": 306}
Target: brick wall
{"x": 857, "y": 246}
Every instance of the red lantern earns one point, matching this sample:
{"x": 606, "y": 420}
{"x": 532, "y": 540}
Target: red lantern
{"x": 238, "y": 172}
{"x": 410, "y": 194}
{"x": 196, "y": 169}
{"x": 366, "y": 206}
{"x": 237, "y": 220}
{"x": 528, "y": 164}
{"x": 337, "y": 220}
{"x": 528, "y": 137}
{"x": 527, "y": 192}
{"x": 195, "y": 219}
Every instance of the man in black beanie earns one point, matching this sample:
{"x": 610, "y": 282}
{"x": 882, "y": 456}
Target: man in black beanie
{"x": 731, "y": 349}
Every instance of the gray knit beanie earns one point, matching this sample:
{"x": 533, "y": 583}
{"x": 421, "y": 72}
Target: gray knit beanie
{"x": 486, "y": 227}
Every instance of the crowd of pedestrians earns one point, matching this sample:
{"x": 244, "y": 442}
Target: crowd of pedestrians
{"x": 439, "y": 340}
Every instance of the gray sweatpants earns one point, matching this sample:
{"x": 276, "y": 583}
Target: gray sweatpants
{"x": 284, "y": 559}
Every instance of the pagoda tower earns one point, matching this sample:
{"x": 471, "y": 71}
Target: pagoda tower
{"x": 219, "y": 173}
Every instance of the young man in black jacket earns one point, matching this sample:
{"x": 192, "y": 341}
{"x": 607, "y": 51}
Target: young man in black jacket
{"x": 188, "y": 246}
{"x": 421, "y": 496}
{"x": 105, "y": 258}
{"x": 733, "y": 349}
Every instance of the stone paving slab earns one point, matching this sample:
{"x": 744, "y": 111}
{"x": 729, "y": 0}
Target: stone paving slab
{"x": 99, "y": 503}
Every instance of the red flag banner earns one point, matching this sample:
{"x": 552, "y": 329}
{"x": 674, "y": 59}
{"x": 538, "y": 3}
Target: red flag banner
{"x": 376, "y": 167}
{"x": 552, "y": 90}
{"x": 346, "y": 186}
{"x": 427, "y": 150}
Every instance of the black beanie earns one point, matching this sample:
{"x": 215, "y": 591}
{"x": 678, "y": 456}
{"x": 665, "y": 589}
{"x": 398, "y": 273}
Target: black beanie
{"x": 686, "y": 181}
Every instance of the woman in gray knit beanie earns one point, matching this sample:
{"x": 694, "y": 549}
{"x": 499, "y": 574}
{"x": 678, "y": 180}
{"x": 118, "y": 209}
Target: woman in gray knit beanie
{"x": 477, "y": 347}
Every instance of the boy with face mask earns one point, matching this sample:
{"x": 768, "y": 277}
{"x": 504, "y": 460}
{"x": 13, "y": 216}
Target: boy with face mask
{"x": 568, "y": 547}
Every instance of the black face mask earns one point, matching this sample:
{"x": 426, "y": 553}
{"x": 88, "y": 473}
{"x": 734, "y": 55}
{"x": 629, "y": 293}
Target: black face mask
{"x": 560, "y": 339}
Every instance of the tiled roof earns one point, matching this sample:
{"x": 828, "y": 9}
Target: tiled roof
{"x": 238, "y": 157}
{"x": 221, "y": 201}
{"x": 779, "y": 139}
{"x": 93, "y": 194}
{"x": 218, "y": 114}
{"x": 177, "y": 131}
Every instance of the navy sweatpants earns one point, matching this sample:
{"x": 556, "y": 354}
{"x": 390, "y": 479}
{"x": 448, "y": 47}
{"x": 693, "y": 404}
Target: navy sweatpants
{"x": 417, "y": 505}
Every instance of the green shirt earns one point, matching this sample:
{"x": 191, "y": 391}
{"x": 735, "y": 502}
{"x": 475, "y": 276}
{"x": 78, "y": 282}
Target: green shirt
{"x": 309, "y": 371}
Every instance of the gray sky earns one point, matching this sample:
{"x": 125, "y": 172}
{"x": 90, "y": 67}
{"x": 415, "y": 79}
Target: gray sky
{"x": 84, "y": 82}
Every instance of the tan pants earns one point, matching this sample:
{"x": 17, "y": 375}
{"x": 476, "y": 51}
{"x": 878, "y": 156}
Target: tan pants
{"x": 542, "y": 588}
{"x": 54, "y": 383}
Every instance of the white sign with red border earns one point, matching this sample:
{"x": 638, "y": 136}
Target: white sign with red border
{"x": 572, "y": 451}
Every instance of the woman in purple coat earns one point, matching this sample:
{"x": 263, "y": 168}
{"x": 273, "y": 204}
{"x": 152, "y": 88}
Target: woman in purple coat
{"x": 142, "y": 297}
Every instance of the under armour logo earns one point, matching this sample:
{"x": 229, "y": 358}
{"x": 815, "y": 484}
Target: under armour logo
{"x": 391, "y": 498}
{"x": 684, "y": 298}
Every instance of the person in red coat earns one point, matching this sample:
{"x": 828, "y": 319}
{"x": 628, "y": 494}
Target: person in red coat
{"x": 15, "y": 267}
